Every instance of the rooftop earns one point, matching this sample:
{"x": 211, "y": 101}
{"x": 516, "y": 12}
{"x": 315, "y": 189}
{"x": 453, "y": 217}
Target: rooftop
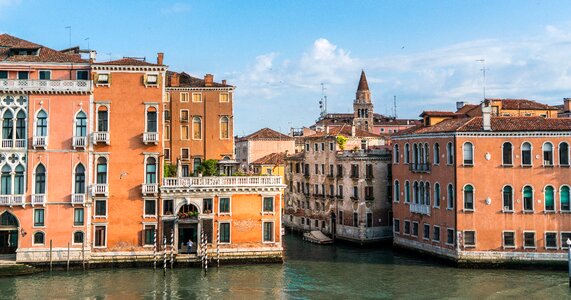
{"x": 345, "y": 130}
{"x": 13, "y": 49}
{"x": 266, "y": 134}
{"x": 186, "y": 80}
{"x": 271, "y": 159}
{"x": 128, "y": 61}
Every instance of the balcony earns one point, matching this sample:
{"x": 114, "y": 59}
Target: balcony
{"x": 369, "y": 197}
{"x": 40, "y": 142}
{"x": 100, "y": 189}
{"x": 10, "y": 200}
{"x": 419, "y": 168}
{"x": 11, "y": 144}
{"x": 78, "y": 199}
{"x": 150, "y": 189}
{"x": 79, "y": 142}
{"x": 222, "y": 181}
{"x": 101, "y": 137}
{"x": 80, "y": 86}
{"x": 151, "y": 138}
{"x": 39, "y": 199}
{"x": 422, "y": 209}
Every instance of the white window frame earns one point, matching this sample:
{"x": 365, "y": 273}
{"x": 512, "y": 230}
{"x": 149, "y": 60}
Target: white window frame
{"x": 412, "y": 229}
{"x": 227, "y": 97}
{"x": 436, "y": 154}
{"x": 530, "y": 154}
{"x": 396, "y": 191}
{"x": 512, "y": 154}
{"x": 464, "y": 239}
{"x": 220, "y": 124}
{"x": 504, "y": 239}
{"x": 568, "y": 154}
{"x": 424, "y": 225}
{"x": 229, "y": 222}
{"x": 145, "y": 224}
{"x": 439, "y": 234}
{"x": 453, "y": 236}
{"x": 201, "y": 128}
{"x": 95, "y": 225}
{"x": 229, "y": 213}
{"x": 404, "y": 228}
{"x": 34, "y": 217}
{"x": 439, "y": 196}
{"x": 273, "y": 231}
{"x": 34, "y": 233}
{"x": 562, "y": 243}
{"x": 473, "y": 198}
{"x": 100, "y": 83}
{"x": 556, "y": 240}
{"x": 448, "y": 202}
{"x": 200, "y": 96}
{"x": 95, "y": 216}
{"x": 264, "y": 212}
{"x": 185, "y": 158}
{"x": 183, "y": 96}
{"x": 534, "y": 239}
{"x": 552, "y": 154}
{"x": 449, "y": 154}
{"x": 148, "y": 83}
{"x": 73, "y": 237}
{"x": 147, "y": 107}
{"x": 145, "y": 207}
{"x": 395, "y": 220}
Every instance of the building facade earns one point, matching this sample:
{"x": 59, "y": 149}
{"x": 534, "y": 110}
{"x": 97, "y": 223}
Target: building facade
{"x": 263, "y": 142}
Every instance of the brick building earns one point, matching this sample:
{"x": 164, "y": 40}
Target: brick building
{"x": 263, "y": 142}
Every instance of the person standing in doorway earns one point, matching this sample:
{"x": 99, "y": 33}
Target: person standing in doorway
{"x": 189, "y": 245}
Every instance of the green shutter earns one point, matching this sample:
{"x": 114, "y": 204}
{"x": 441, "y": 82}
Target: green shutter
{"x": 548, "y": 196}
{"x": 527, "y": 192}
{"x": 565, "y": 195}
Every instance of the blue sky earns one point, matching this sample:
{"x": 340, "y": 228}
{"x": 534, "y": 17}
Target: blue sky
{"x": 278, "y": 52}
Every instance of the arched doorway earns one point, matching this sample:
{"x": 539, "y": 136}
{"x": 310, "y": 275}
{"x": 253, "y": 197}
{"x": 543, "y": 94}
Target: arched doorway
{"x": 8, "y": 233}
{"x": 187, "y": 221}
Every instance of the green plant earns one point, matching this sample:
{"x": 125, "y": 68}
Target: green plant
{"x": 170, "y": 170}
{"x": 208, "y": 167}
{"x": 341, "y": 140}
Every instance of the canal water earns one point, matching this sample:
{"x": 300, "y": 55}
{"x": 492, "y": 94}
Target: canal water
{"x": 310, "y": 272}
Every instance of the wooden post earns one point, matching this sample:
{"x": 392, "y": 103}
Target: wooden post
{"x": 155, "y": 251}
{"x": 68, "y": 256}
{"x": 51, "y": 266}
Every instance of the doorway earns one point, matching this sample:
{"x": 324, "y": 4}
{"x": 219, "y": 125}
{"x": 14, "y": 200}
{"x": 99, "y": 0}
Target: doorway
{"x": 8, "y": 233}
{"x": 187, "y": 232}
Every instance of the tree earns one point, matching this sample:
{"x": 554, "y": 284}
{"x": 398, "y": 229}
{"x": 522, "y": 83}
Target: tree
{"x": 341, "y": 140}
{"x": 170, "y": 170}
{"x": 208, "y": 167}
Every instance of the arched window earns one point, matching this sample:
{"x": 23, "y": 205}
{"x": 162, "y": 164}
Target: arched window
{"x": 427, "y": 193}
{"x": 564, "y": 154}
{"x": 39, "y": 238}
{"x": 526, "y": 154}
{"x": 507, "y": 155}
{"x": 224, "y": 128}
{"x": 80, "y": 124}
{"x": 396, "y": 154}
{"x": 426, "y": 153}
{"x": 407, "y": 192}
{"x": 422, "y": 193}
{"x": 564, "y": 198}
{"x": 436, "y": 155}
{"x": 450, "y": 196}
{"x": 437, "y": 195}
{"x": 397, "y": 191}
{"x": 549, "y": 198}
{"x": 406, "y": 153}
{"x": 8, "y": 126}
{"x": 468, "y": 197}
{"x": 101, "y": 170}
{"x": 415, "y": 195}
{"x": 79, "y": 179}
{"x": 527, "y": 198}
{"x": 19, "y": 180}
{"x": 21, "y": 125}
{"x": 151, "y": 170}
{"x": 151, "y": 119}
{"x": 468, "y": 149}
{"x": 449, "y": 154}
{"x": 42, "y": 123}
{"x": 40, "y": 180}
{"x": 197, "y": 128}
{"x": 415, "y": 154}
{"x": 8, "y": 219}
{"x": 102, "y": 119}
{"x": 508, "y": 198}
{"x": 6, "y": 179}
{"x": 548, "y": 154}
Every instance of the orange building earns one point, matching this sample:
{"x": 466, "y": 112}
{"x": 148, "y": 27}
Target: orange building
{"x": 198, "y": 121}
{"x": 484, "y": 188}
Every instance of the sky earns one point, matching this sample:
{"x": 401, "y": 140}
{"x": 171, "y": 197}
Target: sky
{"x": 277, "y": 53}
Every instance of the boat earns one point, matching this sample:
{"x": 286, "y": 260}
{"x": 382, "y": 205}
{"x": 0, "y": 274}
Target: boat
{"x": 317, "y": 237}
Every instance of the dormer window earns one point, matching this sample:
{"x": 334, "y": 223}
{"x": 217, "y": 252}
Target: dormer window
{"x": 103, "y": 79}
{"x": 151, "y": 79}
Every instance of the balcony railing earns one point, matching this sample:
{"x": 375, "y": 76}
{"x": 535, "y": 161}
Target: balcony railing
{"x": 222, "y": 181}
{"x": 77, "y": 199}
{"x": 420, "y": 208}
{"x": 40, "y": 142}
{"x": 101, "y": 137}
{"x": 45, "y": 85}
{"x": 11, "y": 143}
{"x": 39, "y": 199}
{"x": 151, "y": 138}
{"x": 79, "y": 142}
{"x": 419, "y": 168}
{"x": 150, "y": 188}
{"x": 9, "y": 200}
{"x": 100, "y": 189}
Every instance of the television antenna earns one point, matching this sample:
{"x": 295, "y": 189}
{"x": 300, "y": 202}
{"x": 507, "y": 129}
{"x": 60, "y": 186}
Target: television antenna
{"x": 323, "y": 101}
{"x": 483, "y": 69}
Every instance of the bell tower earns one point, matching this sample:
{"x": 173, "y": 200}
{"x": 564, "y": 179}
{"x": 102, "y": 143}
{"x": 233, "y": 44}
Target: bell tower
{"x": 362, "y": 106}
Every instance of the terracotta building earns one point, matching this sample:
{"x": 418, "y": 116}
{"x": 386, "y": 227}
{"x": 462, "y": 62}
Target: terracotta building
{"x": 484, "y": 188}
{"x": 199, "y": 121}
{"x": 263, "y": 142}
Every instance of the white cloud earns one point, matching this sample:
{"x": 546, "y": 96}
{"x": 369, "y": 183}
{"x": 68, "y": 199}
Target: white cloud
{"x": 175, "y": 8}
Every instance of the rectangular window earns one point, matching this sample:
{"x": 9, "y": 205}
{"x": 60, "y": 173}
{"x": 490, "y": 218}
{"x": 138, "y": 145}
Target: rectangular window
{"x": 316, "y": 147}
{"x": 185, "y": 171}
{"x": 414, "y": 228}
{"x": 150, "y": 207}
{"x": 355, "y": 219}
{"x": 354, "y": 171}
{"x": 3, "y": 74}
{"x": 369, "y": 171}
{"x": 184, "y": 98}
{"x": 149, "y": 234}
{"x": 269, "y": 231}
{"x": 196, "y": 97}
{"x": 436, "y": 234}
{"x": 316, "y": 169}
{"x": 78, "y": 216}
{"x": 223, "y": 97}
{"x": 100, "y": 208}
{"x": 82, "y": 75}
{"x": 469, "y": 239}
{"x": 331, "y": 147}
{"x": 102, "y": 78}
{"x": 340, "y": 218}
{"x": 184, "y": 153}
{"x": 426, "y": 232}
{"x": 529, "y": 239}
{"x": 509, "y": 239}
{"x": 339, "y": 171}
{"x": 551, "y": 240}
{"x": 39, "y": 217}
{"x": 396, "y": 226}
{"x": 167, "y": 154}
{"x": 369, "y": 219}
{"x": 167, "y": 207}
{"x": 207, "y": 205}
{"x": 184, "y": 132}
{"x": 340, "y": 191}
{"x": 406, "y": 227}
{"x": 450, "y": 236}
{"x": 224, "y": 233}
{"x": 268, "y": 204}
{"x": 224, "y": 204}
{"x": 100, "y": 233}
{"x": 23, "y": 75}
{"x": 369, "y": 195}
{"x": 564, "y": 237}
{"x": 355, "y": 192}
{"x": 184, "y": 115}
{"x": 45, "y": 75}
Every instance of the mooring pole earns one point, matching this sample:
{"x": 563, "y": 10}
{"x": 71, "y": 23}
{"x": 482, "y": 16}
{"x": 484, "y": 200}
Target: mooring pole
{"x": 569, "y": 259}
{"x": 67, "y": 256}
{"x": 172, "y": 248}
{"x": 218, "y": 245}
{"x": 155, "y": 251}
{"x": 83, "y": 255}
{"x": 51, "y": 267}
{"x": 165, "y": 254}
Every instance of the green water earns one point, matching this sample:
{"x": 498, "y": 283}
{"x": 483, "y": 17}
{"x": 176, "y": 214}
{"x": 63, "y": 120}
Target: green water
{"x": 310, "y": 272}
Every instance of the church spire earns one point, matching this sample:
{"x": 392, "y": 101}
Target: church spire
{"x": 362, "y": 106}
{"x": 363, "y": 85}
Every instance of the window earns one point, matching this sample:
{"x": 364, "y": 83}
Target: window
{"x": 508, "y": 199}
{"x": 397, "y": 191}
{"x": 449, "y": 154}
{"x": 149, "y": 234}
{"x": 564, "y": 237}
{"x": 426, "y": 232}
{"x": 151, "y": 171}
{"x": 436, "y": 234}
{"x": 450, "y": 236}
{"x": 315, "y": 147}
{"x": 207, "y": 205}
{"x": 6, "y": 180}
{"x": 102, "y": 119}
{"x": 79, "y": 179}
{"x": 355, "y": 192}
{"x": 197, "y": 128}
{"x": 23, "y": 75}
{"x": 551, "y": 240}
{"x": 39, "y": 238}
{"x": 167, "y": 207}
{"x": 184, "y": 97}
{"x": 339, "y": 171}
{"x": 468, "y": 154}
{"x": 469, "y": 239}
{"x": 103, "y": 78}
{"x": 167, "y": 135}
{"x": 8, "y": 125}
{"x": 564, "y": 198}
{"x": 268, "y": 204}
{"x": 341, "y": 217}
{"x": 152, "y": 119}
{"x": 167, "y": 115}
{"x": 82, "y": 75}
{"x": 527, "y": 198}
{"x": 269, "y": 231}
{"x": 223, "y": 97}
{"x": 224, "y": 232}
{"x": 100, "y": 236}
{"x": 150, "y": 207}
{"x": 396, "y": 154}
{"x": 369, "y": 171}
{"x": 549, "y": 198}
{"x": 356, "y": 219}
{"x": 167, "y": 154}
{"x": 564, "y": 154}
{"x": 184, "y": 132}
{"x": 340, "y": 191}
{"x": 468, "y": 197}
{"x": 331, "y": 146}
{"x": 101, "y": 170}
{"x": 81, "y": 124}
{"x": 185, "y": 171}
{"x": 529, "y": 239}
{"x": 224, "y": 128}
{"x": 3, "y": 74}
{"x": 45, "y": 75}
{"x": 19, "y": 180}
{"x": 78, "y": 237}
{"x": 224, "y": 205}
{"x": 406, "y": 153}
{"x": 407, "y": 192}
{"x": 450, "y": 196}
{"x": 21, "y": 125}
{"x": 40, "y": 180}
{"x": 100, "y": 208}
{"x": 548, "y": 154}
{"x": 507, "y": 156}
{"x": 396, "y": 226}
{"x": 316, "y": 168}
{"x": 184, "y": 115}
{"x": 436, "y": 154}
{"x": 526, "y": 154}
{"x": 196, "y": 97}
{"x": 184, "y": 153}
{"x": 42, "y": 123}
{"x": 406, "y": 227}
{"x": 414, "y": 228}
{"x": 38, "y": 217}
{"x": 437, "y": 194}
{"x": 78, "y": 216}
{"x": 354, "y": 171}
{"x": 509, "y": 239}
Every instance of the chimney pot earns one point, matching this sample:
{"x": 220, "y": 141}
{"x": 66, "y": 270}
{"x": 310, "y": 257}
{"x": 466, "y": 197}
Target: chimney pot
{"x": 486, "y": 116}
{"x": 160, "y": 57}
{"x": 208, "y": 80}
{"x": 460, "y": 104}
{"x": 175, "y": 80}
{"x": 567, "y": 104}
{"x": 224, "y": 81}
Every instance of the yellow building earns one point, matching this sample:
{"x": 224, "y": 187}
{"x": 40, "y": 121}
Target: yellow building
{"x": 271, "y": 164}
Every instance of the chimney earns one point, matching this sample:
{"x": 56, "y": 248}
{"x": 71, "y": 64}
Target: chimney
{"x": 175, "y": 79}
{"x": 567, "y": 104}
{"x": 327, "y": 129}
{"x": 92, "y": 55}
{"x": 208, "y": 80}
{"x": 486, "y": 116}
{"x": 460, "y": 104}
{"x": 353, "y": 130}
{"x": 224, "y": 81}
{"x": 160, "y": 57}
